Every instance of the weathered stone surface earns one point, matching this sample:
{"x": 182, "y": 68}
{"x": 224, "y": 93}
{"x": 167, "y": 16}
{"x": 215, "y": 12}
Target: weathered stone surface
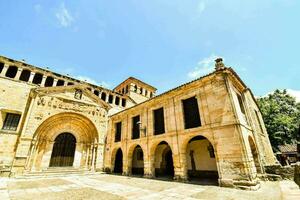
{"x": 230, "y": 139}
{"x": 286, "y": 172}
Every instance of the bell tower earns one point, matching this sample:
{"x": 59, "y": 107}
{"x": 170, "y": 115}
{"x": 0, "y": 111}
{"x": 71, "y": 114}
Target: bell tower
{"x": 136, "y": 89}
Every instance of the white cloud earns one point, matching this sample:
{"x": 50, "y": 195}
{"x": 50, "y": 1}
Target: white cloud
{"x": 203, "y": 67}
{"x": 294, "y": 93}
{"x": 201, "y": 7}
{"x": 92, "y": 81}
{"x": 64, "y": 16}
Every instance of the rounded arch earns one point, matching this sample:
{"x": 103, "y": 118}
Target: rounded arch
{"x": 201, "y": 164}
{"x": 254, "y": 154}
{"x": 80, "y": 126}
{"x": 155, "y": 144}
{"x": 187, "y": 140}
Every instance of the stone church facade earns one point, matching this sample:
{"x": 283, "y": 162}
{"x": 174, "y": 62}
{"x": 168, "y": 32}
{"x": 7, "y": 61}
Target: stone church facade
{"x": 209, "y": 128}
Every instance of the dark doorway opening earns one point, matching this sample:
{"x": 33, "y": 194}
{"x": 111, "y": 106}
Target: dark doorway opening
{"x": 119, "y": 162}
{"x": 63, "y": 150}
{"x": 164, "y": 161}
{"x": 137, "y": 161}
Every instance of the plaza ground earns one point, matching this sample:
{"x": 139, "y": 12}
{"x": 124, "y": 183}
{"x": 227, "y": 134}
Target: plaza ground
{"x": 110, "y": 187}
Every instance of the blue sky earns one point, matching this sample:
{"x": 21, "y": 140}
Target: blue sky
{"x": 162, "y": 42}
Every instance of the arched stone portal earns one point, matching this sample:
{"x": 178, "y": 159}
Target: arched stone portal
{"x": 118, "y": 165}
{"x": 63, "y": 150}
{"x": 163, "y": 163}
{"x": 77, "y": 130}
{"x": 254, "y": 155}
{"x": 201, "y": 161}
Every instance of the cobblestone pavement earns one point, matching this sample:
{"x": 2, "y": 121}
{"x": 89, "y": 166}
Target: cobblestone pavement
{"x": 103, "y": 186}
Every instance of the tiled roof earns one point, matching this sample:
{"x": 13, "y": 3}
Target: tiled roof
{"x": 288, "y": 148}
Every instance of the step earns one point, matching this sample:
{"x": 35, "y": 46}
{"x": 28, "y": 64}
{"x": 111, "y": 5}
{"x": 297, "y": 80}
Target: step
{"x": 56, "y": 173}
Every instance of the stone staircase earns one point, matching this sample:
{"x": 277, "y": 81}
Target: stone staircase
{"x": 56, "y": 172}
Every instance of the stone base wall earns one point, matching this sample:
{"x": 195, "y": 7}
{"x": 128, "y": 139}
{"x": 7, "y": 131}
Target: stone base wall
{"x": 286, "y": 172}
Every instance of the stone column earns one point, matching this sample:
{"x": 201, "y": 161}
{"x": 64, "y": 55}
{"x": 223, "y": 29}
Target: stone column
{"x": 55, "y": 82}
{"x": 87, "y": 157}
{"x": 4, "y": 70}
{"x": 148, "y": 171}
{"x": 18, "y": 74}
{"x": 43, "y": 81}
{"x": 31, "y": 77}
{"x": 93, "y": 157}
{"x": 99, "y": 158}
{"x": 47, "y": 155}
{"x": 77, "y": 156}
{"x": 30, "y": 159}
{"x": 106, "y": 98}
{"x": 180, "y": 168}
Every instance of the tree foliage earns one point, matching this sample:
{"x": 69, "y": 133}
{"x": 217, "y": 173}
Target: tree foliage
{"x": 281, "y": 115}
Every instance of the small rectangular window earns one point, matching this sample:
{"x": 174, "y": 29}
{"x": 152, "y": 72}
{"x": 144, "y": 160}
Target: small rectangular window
{"x": 118, "y": 131}
{"x": 1, "y": 67}
{"x": 110, "y": 98}
{"x": 241, "y": 103}
{"x": 124, "y": 102}
{"x": 159, "y": 123}
{"x": 135, "y": 134}
{"x": 191, "y": 113}
{"x": 11, "y": 122}
{"x": 117, "y": 101}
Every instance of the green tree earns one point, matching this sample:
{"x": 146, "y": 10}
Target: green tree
{"x": 281, "y": 115}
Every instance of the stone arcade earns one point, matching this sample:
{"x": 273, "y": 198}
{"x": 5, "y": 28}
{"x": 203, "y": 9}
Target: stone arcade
{"x": 208, "y": 129}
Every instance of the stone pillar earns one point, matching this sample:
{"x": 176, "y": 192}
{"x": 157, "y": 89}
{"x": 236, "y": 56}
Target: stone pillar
{"x": 30, "y": 157}
{"x": 148, "y": 172}
{"x": 99, "y": 158}
{"x": 47, "y": 155}
{"x": 93, "y": 157}
{"x": 4, "y": 70}
{"x": 106, "y": 98}
{"x": 43, "y": 81}
{"x": 87, "y": 157}
{"x": 77, "y": 156}
{"x": 55, "y": 82}
{"x": 31, "y": 77}
{"x": 126, "y": 170}
{"x": 180, "y": 168}
{"x": 17, "y": 77}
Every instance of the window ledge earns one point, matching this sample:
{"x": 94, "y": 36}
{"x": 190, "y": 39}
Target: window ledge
{"x": 9, "y": 132}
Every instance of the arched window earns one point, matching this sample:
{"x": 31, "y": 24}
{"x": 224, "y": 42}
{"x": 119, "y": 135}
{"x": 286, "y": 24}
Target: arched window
{"x": 37, "y": 79}
{"x": 11, "y": 72}
{"x": 70, "y": 83}
{"x": 96, "y": 92}
{"x": 123, "y": 102}
{"x": 49, "y": 81}
{"x": 110, "y": 98}
{"x": 117, "y": 101}
{"x": 103, "y": 96}
{"x": 25, "y": 75}
{"x": 1, "y": 67}
{"x": 60, "y": 83}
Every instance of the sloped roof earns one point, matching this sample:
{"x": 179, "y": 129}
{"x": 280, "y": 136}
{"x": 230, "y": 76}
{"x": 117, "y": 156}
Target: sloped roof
{"x": 137, "y": 80}
{"x": 288, "y": 148}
